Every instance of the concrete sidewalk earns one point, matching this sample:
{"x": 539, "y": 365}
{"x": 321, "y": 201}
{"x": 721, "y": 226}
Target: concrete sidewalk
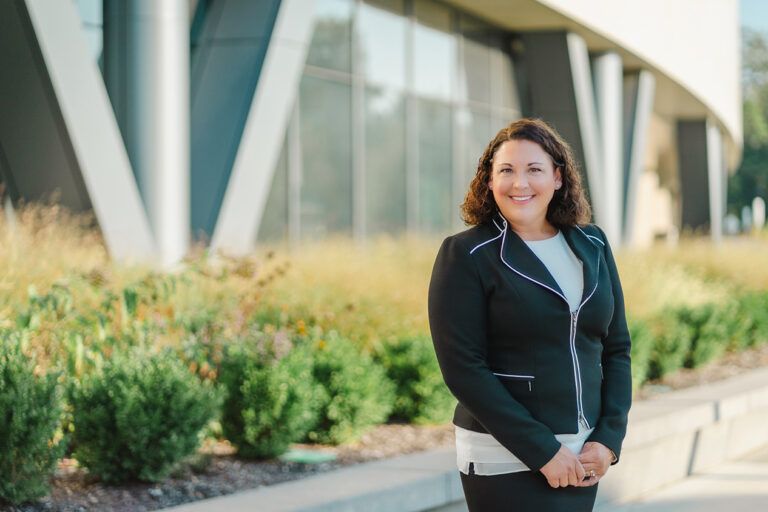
{"x": 736, "y": 486}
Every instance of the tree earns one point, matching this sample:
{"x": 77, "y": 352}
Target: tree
{"x": 751, "y": 179}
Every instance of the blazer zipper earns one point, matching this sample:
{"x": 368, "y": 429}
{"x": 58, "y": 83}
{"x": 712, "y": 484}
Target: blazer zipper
{"x": 581, "y": 418}
{"x": 577, "y": 368}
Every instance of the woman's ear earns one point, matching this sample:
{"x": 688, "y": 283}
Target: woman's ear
{"x": 558, "y": 178}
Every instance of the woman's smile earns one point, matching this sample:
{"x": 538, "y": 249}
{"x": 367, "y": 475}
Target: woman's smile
{"x": 522, "y": 199}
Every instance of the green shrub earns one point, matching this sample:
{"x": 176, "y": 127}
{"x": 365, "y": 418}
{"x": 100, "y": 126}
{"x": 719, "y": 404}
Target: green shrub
{"x": 139, "y": 416}
{"x": 356, "y": 393}
{"x": 271, "y": 396}
{"x": 421, "y": 395}
{"x": 671, "y": 343}
{"x": 753, "y": 306}
{"x": 728, "y": 327}
{"x": 642, "y": 348}
{"x": 30, "y": 413}
{"x": 709, "y": 334}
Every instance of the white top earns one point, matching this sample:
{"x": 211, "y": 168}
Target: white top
{"x": 487, "y": 454}
{"x": 563, "y": 264}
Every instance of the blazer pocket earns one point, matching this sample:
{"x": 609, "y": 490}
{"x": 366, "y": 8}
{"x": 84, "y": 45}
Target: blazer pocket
{"x": 522, "y": 388}
{"x": 517, "y": 377}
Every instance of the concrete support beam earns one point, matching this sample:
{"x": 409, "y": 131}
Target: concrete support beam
{"x": 639, "y": 88}
{"x": 608, "y": 82}
{"x": 589, "y": 126}
{"x": 57, "y": 131}
{"x": 150, "y": 86}
{"x": 702, "y": 176}
{"x": 264, "y": 132}
{"x": 717, "y": 176}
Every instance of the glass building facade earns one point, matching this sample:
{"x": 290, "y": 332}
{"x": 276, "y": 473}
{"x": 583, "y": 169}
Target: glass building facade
{"x": 397, "y": 100}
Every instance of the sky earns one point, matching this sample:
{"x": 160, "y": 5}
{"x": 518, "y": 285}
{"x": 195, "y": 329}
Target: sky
{"x": 754, "y": 14}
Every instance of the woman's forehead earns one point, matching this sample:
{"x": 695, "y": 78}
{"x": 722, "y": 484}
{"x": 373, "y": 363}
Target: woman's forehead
{"x": 520, "y": 151}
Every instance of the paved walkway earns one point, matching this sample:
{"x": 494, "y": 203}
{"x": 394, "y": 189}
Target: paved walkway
{"x": 736, "y": 486}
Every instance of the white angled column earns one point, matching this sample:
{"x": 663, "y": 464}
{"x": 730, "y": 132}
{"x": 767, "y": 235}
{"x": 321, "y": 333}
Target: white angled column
{"x": 716, "y": 173}
{"x": 589, "y": 129}
{"x": 608, "y": 82}
{"x": 639, "y": 89}
{"x": 157, "y": 117}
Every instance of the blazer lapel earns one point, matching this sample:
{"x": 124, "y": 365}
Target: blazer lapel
{"x": 516, "y": 255}
{"x": 588, "y": 251}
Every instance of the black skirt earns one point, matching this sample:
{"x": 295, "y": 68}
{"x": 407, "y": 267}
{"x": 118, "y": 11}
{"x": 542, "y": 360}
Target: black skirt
{"x": 524, "y": 491}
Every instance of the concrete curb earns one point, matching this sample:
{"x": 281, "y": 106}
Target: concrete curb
{"x": 668, "y": 439}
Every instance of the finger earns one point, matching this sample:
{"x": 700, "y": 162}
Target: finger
{"x": 589, "y": 482}
{"x": 580, "y": 472}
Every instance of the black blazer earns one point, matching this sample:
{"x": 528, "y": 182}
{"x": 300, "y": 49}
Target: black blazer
{"x": 522, "y": 366}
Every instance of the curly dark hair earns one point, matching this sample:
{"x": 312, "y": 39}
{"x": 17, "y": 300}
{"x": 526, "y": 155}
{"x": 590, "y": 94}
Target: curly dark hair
{"x": 568, "y": 207}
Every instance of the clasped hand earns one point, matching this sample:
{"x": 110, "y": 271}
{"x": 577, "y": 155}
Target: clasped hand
{"x": 566, "y": 468}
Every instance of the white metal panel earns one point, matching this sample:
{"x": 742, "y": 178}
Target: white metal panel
{"x": 94, "y": 134}
{"x": 264, "y": 132}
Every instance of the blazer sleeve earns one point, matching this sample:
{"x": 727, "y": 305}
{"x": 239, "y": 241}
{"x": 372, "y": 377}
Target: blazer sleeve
{"x": 616, "y": 393}
{"x": 457, "y": 320}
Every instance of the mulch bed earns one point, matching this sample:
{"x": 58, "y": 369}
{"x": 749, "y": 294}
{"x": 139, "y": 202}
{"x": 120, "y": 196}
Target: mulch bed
{"x": 215, "y": 471}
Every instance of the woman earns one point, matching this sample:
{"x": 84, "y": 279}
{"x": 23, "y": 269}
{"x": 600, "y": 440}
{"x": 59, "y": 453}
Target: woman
{"x": 527, "y": 318}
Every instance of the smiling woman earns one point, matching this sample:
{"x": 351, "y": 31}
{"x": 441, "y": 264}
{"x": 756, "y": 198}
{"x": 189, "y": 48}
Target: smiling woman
{"x": 527, "y": 318}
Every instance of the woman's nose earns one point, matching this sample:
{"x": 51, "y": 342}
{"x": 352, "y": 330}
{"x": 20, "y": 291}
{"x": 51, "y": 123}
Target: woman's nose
{"x": 519, "y": 182}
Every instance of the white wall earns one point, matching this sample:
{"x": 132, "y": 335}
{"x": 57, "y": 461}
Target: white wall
{"x": 694, "y": 42}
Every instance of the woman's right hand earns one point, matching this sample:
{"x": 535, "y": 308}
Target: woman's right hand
{"x": 563, "y": 469}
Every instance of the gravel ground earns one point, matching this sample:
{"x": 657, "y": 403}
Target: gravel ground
{"x": 215, "y": 471}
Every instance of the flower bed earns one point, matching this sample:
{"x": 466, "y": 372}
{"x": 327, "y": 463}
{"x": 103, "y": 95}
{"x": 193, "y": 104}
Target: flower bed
{"x": 269, "y": 351}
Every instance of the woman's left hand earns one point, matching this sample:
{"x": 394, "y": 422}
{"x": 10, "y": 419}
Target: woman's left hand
{"x": 595, "y": 457}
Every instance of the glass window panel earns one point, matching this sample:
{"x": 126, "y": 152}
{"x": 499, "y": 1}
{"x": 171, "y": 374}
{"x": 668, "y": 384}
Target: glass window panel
{"x": 381, "y": 35}
{"x": 326, "y": 152}
{"x": 436, "y": 206}
{"x": 477, "y": 129}
{"x": 385, "y": 160}
{"x": 502, "y": 118}
{"x": 274, "y": 221}
{"x": 504, "y": 85}
{"x": 475, "y": 77}
{"x": 434, "y": 51}
{"x": 331, "y": 40}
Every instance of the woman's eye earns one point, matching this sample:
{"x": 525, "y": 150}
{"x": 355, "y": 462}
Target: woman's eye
{"x": 505, "y": 169}
{"x": 535, "y": 169}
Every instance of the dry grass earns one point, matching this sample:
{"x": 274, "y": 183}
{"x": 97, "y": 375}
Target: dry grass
{"x": 741, "y": 260}
{"x": 365, "y": 291}
{"x": 41, "y": 246}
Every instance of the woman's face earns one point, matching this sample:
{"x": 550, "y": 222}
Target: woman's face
{"x": 523, "y": 181}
